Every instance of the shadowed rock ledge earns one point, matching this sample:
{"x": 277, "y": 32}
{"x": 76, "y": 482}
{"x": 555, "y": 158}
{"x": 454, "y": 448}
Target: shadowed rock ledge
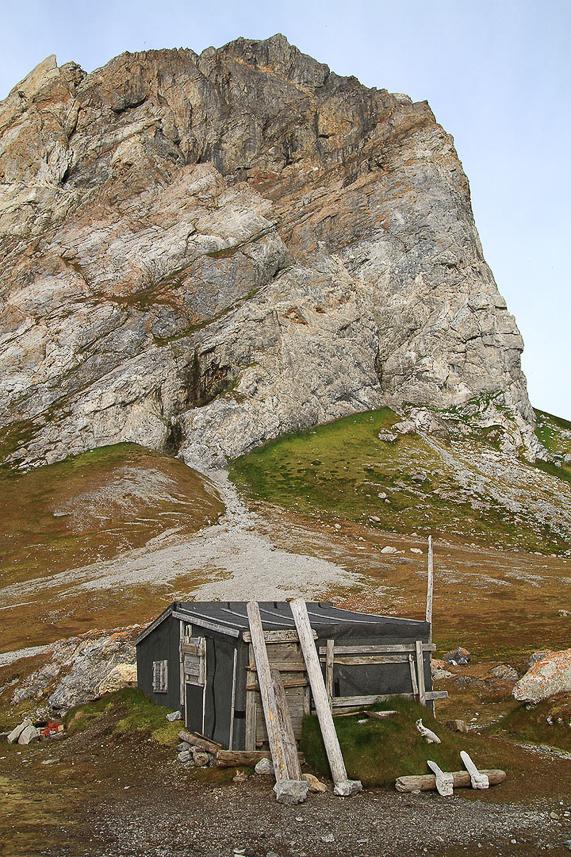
{"x": 202, "y": 252}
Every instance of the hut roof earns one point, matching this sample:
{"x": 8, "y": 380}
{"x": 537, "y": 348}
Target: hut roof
{"x": 231, "y": 618}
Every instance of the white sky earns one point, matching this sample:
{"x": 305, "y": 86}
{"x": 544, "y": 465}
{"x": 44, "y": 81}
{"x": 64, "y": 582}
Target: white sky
{"x": 495, "y": 72}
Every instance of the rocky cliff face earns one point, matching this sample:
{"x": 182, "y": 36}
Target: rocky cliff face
{"x": 202, "y": 252}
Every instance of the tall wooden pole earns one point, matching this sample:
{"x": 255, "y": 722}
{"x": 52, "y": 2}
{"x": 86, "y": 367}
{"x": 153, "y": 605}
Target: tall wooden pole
{"x": 430, "y": 587}
{"x": 343, "y": 786}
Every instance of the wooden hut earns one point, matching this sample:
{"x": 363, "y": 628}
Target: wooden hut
{"x": 197, "y": 656}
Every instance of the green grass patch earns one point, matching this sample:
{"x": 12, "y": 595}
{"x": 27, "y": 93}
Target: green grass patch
{"x": 548, "y": 723}
{"x": 379, "y": 751}
{"x": 126, "y": 710}
{"x": 344, "y": 469}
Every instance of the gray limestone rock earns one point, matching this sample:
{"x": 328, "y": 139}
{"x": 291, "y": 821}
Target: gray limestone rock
{"x": 200, "y": 253}
{"x": 14, "y": 735}
{"x": 290, "y": 792}
{"x": 29, "y": 734}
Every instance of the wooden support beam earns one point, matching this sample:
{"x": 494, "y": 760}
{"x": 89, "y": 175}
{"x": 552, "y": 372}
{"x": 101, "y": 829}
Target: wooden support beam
{"x": 267, "y": 693}
{"x": 329, "y": 662}
{"x": 420, "y": 673}
{"x": 413, "y": 680}
{"x": 430, "y": 586}
{"x": 343, "y": 786}
{"x": 288, "y": 738}
{"x": 406, "y": 648}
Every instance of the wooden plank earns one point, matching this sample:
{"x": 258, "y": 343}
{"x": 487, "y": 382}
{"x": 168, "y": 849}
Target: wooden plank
{"x": 207, "y": 623}
{"x": 233, "y": 698}
{"x": 329, "y": 661}
{"x": 288, "y": 738}
{"x": 413, "y": 676}
{"x": 379, "y": 650}
{"x": 250, "y": 736}
{"x": 369, "y": 660}
{"x": 358, "y": 701}
{"x": 299, "y": 682}
{"x": 267, "y": 692}
{"x": 320, "y": 698}
{"x": 181, "y": 683}
{"x": 461, "y": 779}
{"x": 286, "y": 636}
{"x": 282, "y": 666}
{"x": 420, "y": 673}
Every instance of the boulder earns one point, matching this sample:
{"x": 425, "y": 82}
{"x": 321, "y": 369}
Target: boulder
{"x": 29, "y": 734}
{"x": 14, "y": 735}
{"x": 504, "y": 672}
{"x": 290, "y": 792}
{"x": 456, "y": 726}
{"x": 547, "y": 677}
{"x": 264, "y": 766}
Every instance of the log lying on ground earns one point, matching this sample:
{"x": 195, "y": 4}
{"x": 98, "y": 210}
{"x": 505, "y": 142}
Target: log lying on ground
{"x": 250, "y": 758}
{"x": 427, "y": 782}
{"x": 200, "y": 741}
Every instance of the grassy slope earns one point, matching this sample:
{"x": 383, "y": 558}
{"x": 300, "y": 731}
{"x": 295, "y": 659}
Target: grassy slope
{"x": 95, "y": 506}
{"x": 344, "y": 469}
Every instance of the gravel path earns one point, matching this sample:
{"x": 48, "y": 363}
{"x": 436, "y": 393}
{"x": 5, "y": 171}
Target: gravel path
{"x": 241, "y": 563}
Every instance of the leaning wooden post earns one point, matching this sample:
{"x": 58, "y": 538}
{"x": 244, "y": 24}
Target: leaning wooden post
{"x": 343, "y": 786}
{"x": 430, "y": 587}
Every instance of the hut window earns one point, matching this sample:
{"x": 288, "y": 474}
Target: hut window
{"x": 160, "y": 676}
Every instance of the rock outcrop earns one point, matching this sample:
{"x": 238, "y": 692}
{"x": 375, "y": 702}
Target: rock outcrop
{"x": 548, "y": 676}
{"x": 80, "y": 669}
{"x": 202, "y": 252}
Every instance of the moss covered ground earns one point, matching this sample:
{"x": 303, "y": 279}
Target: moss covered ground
{"x": 405, "y": 486}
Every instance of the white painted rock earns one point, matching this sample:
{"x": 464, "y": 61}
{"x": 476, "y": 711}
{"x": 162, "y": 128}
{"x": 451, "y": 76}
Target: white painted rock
{"x": 550, "y": 675}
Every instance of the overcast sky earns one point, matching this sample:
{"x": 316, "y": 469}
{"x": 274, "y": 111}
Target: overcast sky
{"x": 495, "y": 72}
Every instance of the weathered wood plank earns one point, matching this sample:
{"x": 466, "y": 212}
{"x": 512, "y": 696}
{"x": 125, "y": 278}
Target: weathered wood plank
{"x": 282, "y": 666}
{"x": 329, "y": 662}
{"x": 267, "y": 693}
{"x": 207, "y": 623}
{"x": 413, "y": 680}
{"x": 369, "y": 660}
{"x": 430, "y": 586}
{"x": 420, "y": 673}
{"x": 276, "y": 636}
{"x": 358, "y": 701}
{"x": 320, "y": 698}
{"x": 461, "y": 779}
{"x": 288, "y": 738}
{"x": 379, "y": 650}
{"x": 298, "y": 682}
